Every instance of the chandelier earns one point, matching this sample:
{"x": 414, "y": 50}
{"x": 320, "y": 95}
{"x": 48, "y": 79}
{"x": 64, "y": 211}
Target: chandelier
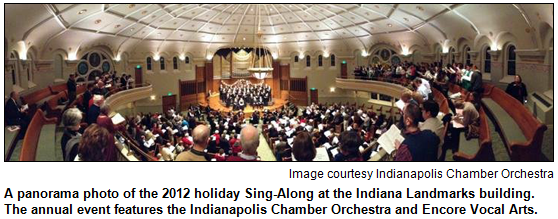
{"x": 261, "y": 62}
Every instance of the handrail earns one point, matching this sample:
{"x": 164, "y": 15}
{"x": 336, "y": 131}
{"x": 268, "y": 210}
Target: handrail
{"x": 121, "y": 98}
{"x": 382, "y": 87}
{"x": 133, "y": 144}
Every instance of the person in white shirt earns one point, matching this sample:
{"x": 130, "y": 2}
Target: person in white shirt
{"x": 166, "y": 153}
{"x": 430, "y": 110}
{"x": 422, "y": 88}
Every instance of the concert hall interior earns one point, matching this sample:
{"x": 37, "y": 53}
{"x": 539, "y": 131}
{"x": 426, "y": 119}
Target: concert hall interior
{"x": 278, "y": 82}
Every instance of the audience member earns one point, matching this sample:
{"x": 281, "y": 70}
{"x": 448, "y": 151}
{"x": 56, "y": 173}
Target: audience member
{"x": 517, "y": 89}
{"x": 303, "y": 148}
{"x": 71, "y": 119}
{"x": 197, "y": 153}
{"x": 419, "y": 145}
{"x": 93, "y": 142}
{"x": 249, "y": 140}
{"x": 95, "y": 109}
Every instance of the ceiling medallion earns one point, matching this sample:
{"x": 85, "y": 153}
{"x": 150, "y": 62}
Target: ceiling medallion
{"x": 144, "y": 12}
{"x": 131, "y": 6}
{"x": 98, "y": 21}
{"x": 406, "y": 19}
{"x": 82, "y": 11}
{"x": 117, "y": 26}
{"x": 389, "y": 25}
{"x": 420, "y": 8}
{"x": 376, "y": 6}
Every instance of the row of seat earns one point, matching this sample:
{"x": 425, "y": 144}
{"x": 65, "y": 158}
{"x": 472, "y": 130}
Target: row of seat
{"x": 476, "y": 149}
{"x": 39, "y": 140}
{"x": 521, "y": 132}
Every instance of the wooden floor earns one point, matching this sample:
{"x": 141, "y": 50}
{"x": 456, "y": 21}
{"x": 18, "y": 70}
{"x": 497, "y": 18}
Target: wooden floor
{"x": 215, "y": 104}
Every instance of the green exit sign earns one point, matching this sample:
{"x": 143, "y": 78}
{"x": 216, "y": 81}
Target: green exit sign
{"x": 138, "y": 66}
{"x": 344, "y": 62}
{"x": 313, "y": 88}
{"x": 169, "y": 94}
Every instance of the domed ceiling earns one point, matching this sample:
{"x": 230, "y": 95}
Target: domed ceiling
{"x": 286, "y": 28}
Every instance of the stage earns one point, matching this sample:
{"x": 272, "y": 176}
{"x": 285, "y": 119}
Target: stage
{"x": 215, "y": 104}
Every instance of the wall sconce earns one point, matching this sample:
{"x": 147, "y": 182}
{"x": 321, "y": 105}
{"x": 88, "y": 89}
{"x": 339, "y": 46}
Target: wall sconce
{"x": 332, "y": 89}
{"x": 152, "y": 97}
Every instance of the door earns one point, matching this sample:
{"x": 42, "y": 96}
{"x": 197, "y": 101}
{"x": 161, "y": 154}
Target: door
{"x": 138, "y": 79}
{"x": 169, "y": 102}
{"x": 314, "y": 96}
{"x": 343, "y": 70}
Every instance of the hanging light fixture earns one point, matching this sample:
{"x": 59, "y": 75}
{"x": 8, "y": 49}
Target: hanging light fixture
{"x": 261, "y": 60}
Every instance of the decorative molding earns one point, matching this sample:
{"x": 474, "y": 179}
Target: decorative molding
{"x": 531, "y": 55}
{"x": 473, "y": 54}
{"x": 494, "y": 54}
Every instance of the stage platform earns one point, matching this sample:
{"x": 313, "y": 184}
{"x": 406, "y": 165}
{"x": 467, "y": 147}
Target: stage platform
{"x": 215, "y": 104}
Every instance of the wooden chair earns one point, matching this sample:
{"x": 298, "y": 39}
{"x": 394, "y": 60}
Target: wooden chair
{"x": 32, "y": 136}
{"x": 53, "y": 109}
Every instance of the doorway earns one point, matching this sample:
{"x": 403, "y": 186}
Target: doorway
{"x": 139, "y": 80}
{"x": 169, "y": 102}
{"x": 314, "y": 96}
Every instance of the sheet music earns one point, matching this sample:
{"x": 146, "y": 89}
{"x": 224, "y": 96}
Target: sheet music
{"x": 321, "y": 154}
{"x": 400, "y": 104}
{"x": 387, "y": 140}
{"x": 117, "y": 119}
{"x": 455, "y": 95}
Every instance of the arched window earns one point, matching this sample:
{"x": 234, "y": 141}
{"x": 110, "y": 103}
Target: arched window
{"x": 487, "y": 61}
{"x": 511, "y": 60}
{"x": 13, "y": 77}
{"x": 296, "y": 59}
{"x": 332, "y": 60}
{"x": 175, "y": 63}
{"x": 308, "y": 61}
{"x": 162, "y": 62}
{"x": 30, "y": 68}
{"x": 452, "y": 55}
{"x": 148, "y": 62}
{"x": 467, "y": 56}
{"x": 187, "y": 60}
{"x": 16, "y": 75}
{"x": 320, "y": 60}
